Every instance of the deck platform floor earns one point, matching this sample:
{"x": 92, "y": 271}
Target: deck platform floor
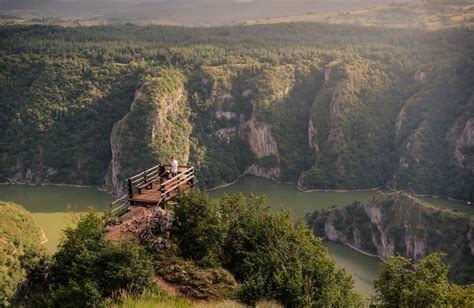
{"x": 153, "y": 195}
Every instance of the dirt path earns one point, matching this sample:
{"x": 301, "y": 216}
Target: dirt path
{"x": 169, "y": 288}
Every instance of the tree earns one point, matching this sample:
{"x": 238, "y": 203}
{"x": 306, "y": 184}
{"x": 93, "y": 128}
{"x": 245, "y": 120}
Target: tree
{"x": 88, "y": 268}
{"x": 271, "y": 256}
{"x": 197, "y": 228}
{"x": 20, "y": 249}
{"x": 401, "y": 283}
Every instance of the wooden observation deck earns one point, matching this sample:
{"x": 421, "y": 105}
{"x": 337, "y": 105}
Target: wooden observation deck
{"x": 147, "y": 188}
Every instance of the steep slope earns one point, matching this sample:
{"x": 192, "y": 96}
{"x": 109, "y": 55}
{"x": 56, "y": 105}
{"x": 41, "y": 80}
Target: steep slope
{"x": 20, "y": 241}
{"x": 348, "y": 108}
{"x": 156, "y": 128}
{"x": 396, "y": 223}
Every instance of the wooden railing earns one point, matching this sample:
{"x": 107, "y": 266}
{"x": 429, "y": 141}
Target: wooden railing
{"x": 183, "y": 178}
{"x": 118, "y": 204}
{"x": 148, "y": 176}
{"x": 167, "y": 187}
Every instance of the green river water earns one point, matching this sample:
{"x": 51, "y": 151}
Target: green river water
{"x": 53, "y": 207}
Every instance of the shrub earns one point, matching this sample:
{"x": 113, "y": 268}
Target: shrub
{"x": 267, "y": 253}
{"x": 198, "y": 228}
{"x": 402, "y": 284}
{"x": 87, "y": 268}
{"x": 20, "y": 249}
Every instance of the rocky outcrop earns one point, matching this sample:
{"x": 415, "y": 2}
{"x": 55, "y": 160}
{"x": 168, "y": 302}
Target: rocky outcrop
{"x": 150, "y": 225}
{"x": 420, "y": 76}
{"x": 470, "y": 235}
{"x": 396, "y": 223}
{"x": 263, "y": 172}
{"x": 226, "y": 134}
{"x": 384, "y": 244}
{"x": 337, "y": 115}
{"x": 260, "y": 138}
{"x": 21, "y": 177}
{"x": 312, "y": 133}
{"x": 156, "y": 128}
{"x": 249, "y": 127}
{"x": 262, "y": 143}
{"x": 464, "y": 142}
{"x": 332, "y": 97}
{"x": 226, "y": 115}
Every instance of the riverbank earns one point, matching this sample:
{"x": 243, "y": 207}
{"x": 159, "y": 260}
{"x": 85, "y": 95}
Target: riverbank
{"x": 430, "y": 196}
{"x": 51, "y": 184}
{"x": 356, "y": 249}
{"x": 373, "y": 189}
{"x": 338, "y": 190}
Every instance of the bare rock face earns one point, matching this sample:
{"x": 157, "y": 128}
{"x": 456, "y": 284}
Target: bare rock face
{"x": 262, "y": 144}
{"x": 465, "y": 140}
{"x": 385, "y": 245}
{"x": 226, "y": 115}
{"x": 150, "y": 225}
{"x": 260, "y": 138}
{"x": 420, "y": 76}
{"x": 268, "y": 173}
{"x": 401, "y": 119}
{"x": 312, "y": 133}
{"x": 246, "y": 92}
{"x": 226, "y": 134}
{"x": 470, "y": 235}
{"x": 332, "y": 233}
{"x": 415, "y": 247}
{"x": 327, "y": 74}
{"x": 337, "y": 115}
{"x": 396, "y": 223}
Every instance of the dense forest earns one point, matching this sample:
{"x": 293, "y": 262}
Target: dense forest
{"x": 324, "y": 106}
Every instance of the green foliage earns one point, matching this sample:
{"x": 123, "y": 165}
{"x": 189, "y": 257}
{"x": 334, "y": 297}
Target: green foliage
{"x": 400, "y": 283}
{"x": 386, "y": 106}
{"x": 198, "y": 228}
{"x": 404, "y": 221}
{"x": 87, "y": 268}
{"x": 193, "y": 280}
{"x": 20, "y": 249}
{"x": 148, "y": 298}
{"x": 267, "y": 253}
{"x": 141, "y": 142}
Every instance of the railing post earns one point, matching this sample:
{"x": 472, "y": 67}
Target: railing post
{"x": 130, "y": 188}
{"x": 162, "y": 189}
{"x": 145, "y": 177}
{"x": 191, "y": 181}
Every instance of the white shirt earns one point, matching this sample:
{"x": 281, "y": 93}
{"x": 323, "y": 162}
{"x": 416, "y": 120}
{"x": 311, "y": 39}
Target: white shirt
{"x": 174, "y": 166}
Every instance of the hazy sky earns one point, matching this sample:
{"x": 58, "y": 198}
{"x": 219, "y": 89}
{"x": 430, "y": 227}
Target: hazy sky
{"x": 187, "y": 12}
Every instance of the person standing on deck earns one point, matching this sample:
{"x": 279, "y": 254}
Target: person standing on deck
{"x": 162, "y": 171}
{"x": 174, "y": 166}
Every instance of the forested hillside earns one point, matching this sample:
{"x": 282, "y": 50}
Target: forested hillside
{"x": 398, "y": 224}
{"x": 324, "y": 106}
{"x": 20, "y": 249}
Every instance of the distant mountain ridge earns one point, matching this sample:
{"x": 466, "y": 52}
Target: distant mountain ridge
{"x": 185, "y": 12}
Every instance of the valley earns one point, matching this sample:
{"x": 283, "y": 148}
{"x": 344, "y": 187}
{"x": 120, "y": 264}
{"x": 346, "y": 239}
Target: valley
{"x": 339, "y": 124}
{"x": 56, "y": 207}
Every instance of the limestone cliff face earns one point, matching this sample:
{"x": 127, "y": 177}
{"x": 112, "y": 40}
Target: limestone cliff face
{"x": 461, "y": 137}
{"x": 465, "y": 141}
{"x": 262, "y": 144}
{"x": 156, "y": 128}
{"x": 325, "y": 127}
{"x": 249, "y": 127}
{"x": 390, "y": 224}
